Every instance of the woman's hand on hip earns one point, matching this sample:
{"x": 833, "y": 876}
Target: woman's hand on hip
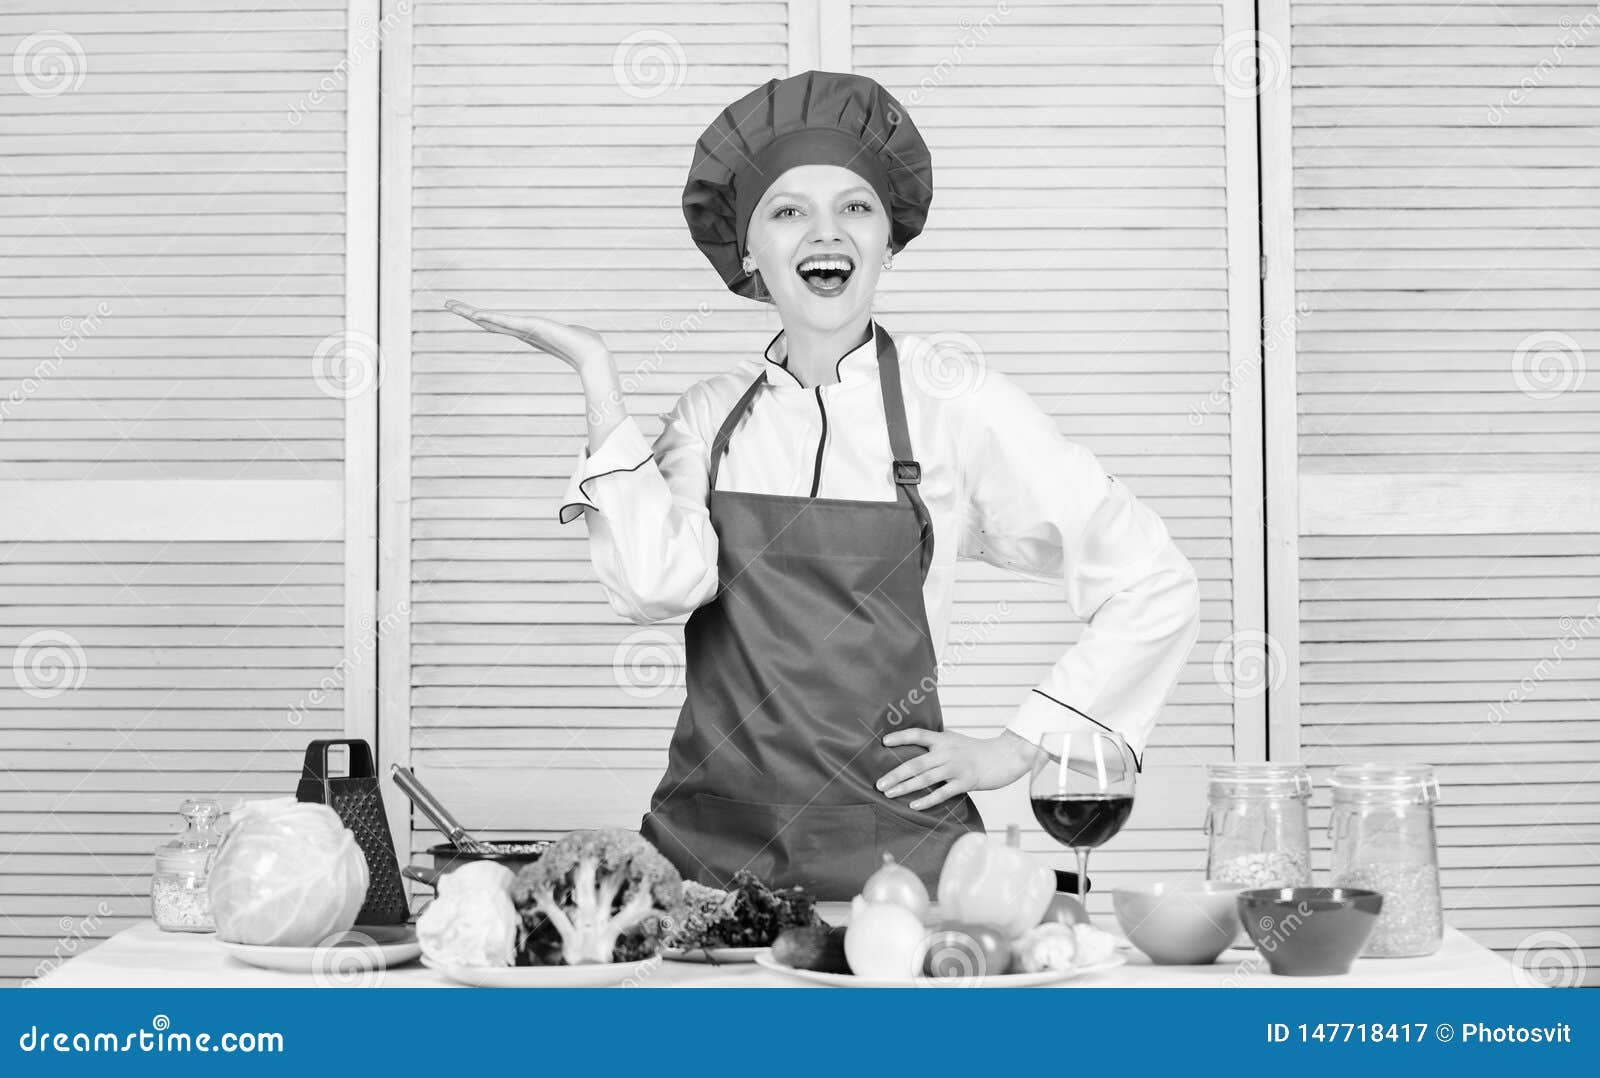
{"x": 579, "y": 347}
{"x": 956, "y": 764}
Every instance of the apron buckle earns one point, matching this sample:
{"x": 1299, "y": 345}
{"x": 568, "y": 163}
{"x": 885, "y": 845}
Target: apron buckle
{"x": 908, "y": 473}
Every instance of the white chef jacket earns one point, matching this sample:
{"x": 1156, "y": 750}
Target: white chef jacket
{"x": 1001, "y": 485}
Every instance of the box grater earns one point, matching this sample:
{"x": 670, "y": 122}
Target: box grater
{"x": 359, "y": 803}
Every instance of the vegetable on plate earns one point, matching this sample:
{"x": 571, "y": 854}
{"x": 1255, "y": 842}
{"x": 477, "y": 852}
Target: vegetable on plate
{"x": 883, "y": 940}
{"x": 818, "y": 947}
{"x": 956, "y": 949}
{"x": 472, "y": 922}
{"x": 989, "y": 882}
{"x": 595, "y": 896}
{"x": 896, "y": 884}
{"x": 750, "y": 914}
{"x": 287, "y": 874}
{"x": 1050, "y": 946}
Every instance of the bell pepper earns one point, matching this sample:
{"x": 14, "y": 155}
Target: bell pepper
{"x": 990, "y": 882}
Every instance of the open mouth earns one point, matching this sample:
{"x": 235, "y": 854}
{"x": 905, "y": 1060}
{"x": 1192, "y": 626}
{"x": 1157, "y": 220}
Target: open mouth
{"x": 826, "y": 275}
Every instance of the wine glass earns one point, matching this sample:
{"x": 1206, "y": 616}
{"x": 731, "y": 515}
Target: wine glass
{"x": 1082, "y": 791}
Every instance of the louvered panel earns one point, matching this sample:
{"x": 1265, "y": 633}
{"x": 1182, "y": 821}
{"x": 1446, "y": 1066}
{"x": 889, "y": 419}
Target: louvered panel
{"x": 172, "y": 240}
{"x": 1441, "y": 215}
{"x": 174, "y": 670}
{"x": 571, "y": 209}
{"x": 1447, "y": 283}
{"x": 173, "y": 557}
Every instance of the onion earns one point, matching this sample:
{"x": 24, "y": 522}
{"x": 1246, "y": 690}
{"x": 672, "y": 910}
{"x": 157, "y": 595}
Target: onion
{"x": 896, "y": 885}
{"x": 884, "y": 941}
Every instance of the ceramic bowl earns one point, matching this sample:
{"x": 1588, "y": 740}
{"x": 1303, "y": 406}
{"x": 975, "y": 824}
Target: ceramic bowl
{"x": 1180, "y": 922}
{"x": 1309, "y": 931}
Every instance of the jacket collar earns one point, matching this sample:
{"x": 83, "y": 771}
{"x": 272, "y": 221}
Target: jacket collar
{"x": 861, "y": 362}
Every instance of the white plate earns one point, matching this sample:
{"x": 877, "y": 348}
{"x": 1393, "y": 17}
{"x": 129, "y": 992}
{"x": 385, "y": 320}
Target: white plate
{"x": 1004, "y": 980}
{"x": 588, "y": 975}
{"x": 365, "y": 947}
{"x": 713, "y": 955}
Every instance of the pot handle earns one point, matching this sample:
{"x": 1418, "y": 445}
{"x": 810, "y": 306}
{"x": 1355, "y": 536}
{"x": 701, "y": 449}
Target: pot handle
{"x": 428, "y": 877}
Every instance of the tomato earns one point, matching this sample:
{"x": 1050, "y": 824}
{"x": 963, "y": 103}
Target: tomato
{"x": 964, "y": 950}
{"x": 1065, "y": 909}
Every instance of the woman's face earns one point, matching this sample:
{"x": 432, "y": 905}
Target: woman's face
{"x": 819, "y": 237}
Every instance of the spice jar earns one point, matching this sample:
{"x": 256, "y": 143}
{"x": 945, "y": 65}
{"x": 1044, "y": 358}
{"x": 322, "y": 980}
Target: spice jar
{"x": 1383, "y": 840}
{"x": 1256, "y": 825}
{"x": 179, "y": 901}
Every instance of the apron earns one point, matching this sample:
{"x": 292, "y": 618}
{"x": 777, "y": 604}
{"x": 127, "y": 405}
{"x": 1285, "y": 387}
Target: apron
{"x": 815, "y": 646}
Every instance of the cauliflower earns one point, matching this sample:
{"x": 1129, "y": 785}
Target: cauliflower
{"x": 1056, "y": 946}
{"x": 1049, "y": 946}
{"x": 596, "y": 896}
{"x": 472, "y": 922}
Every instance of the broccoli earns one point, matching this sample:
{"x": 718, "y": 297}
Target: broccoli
{"x": 605, "y": 893}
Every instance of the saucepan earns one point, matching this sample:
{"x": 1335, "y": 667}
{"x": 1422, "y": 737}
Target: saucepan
{"x": 462, "y": 848}
{"x": 446, "y": 856}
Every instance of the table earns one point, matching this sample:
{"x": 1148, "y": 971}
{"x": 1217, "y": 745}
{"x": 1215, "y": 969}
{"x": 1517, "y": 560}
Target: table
{"x": 145, "y": 957}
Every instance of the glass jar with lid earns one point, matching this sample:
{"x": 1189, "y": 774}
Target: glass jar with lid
{"x": 1382, "y": 833}
{"x": 1256, "y": 825}
{"x": 179, "y": 901}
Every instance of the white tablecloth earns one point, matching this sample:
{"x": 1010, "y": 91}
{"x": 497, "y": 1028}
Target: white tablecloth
{"x": 146, "y": 957}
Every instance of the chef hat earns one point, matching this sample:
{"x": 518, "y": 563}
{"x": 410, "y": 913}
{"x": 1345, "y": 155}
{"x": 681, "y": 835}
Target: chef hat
{"x": 816, "y": 118}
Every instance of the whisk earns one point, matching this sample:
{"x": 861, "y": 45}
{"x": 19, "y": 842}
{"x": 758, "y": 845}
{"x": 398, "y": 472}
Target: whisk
{"x": 433, "y": 810}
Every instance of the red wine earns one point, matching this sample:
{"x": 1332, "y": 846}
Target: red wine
{"x": 1083, "y": 821}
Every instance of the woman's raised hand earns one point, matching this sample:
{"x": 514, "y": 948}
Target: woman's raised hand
{"x": 577, "y": 346}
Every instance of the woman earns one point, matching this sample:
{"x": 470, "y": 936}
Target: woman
{"x": 807, "y": 510}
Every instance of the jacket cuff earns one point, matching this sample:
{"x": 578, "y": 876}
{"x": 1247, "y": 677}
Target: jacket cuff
{"x": 1043, "y": 713}
{"x": 624, "y": 450}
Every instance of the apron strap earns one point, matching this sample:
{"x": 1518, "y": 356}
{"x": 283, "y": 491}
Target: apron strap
{"x": 719, "y": 445}
{"x": 907, "y": 472}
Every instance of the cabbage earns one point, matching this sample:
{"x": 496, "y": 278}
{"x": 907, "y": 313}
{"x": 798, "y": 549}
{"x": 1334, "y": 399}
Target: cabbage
{"x": 288, "y": 874}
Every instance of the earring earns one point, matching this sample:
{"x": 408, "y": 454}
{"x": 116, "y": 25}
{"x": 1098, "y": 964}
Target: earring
{"x": 748, "y": 264}
{"x": 888, "y": 260}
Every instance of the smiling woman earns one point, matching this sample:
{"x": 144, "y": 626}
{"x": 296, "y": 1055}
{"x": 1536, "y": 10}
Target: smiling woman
{"x": 807, "y": 510}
